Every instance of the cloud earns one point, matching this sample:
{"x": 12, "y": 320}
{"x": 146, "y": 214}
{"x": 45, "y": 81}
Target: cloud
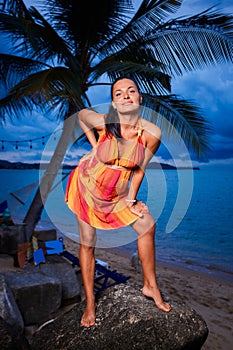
{"x": 192, "y": 7}
{"x": 211, "y": 89}
{"x": 17, "y": 136}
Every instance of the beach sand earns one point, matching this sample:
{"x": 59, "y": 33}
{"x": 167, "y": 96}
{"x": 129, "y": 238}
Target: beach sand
{"x": 208, "y": 296}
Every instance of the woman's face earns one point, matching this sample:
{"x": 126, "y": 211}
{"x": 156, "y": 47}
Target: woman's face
{"x": 126, "y": 96}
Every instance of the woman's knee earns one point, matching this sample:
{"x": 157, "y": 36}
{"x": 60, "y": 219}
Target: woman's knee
{"x": 88, "y": 239}
{"x": 146, "y": 224}
{"x": 87, "y": 234}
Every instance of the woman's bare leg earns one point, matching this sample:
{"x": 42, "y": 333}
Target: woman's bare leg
{"x": 87, "y": 264}
{"x": 145, "y": 227}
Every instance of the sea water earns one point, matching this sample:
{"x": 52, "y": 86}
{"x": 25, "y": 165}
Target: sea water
{"x": 193, "y": 211}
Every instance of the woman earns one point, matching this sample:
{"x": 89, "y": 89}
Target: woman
{"x": 102, "y": 190}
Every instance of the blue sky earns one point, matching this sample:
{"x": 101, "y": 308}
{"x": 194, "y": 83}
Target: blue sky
{"x": 211, "y": 88}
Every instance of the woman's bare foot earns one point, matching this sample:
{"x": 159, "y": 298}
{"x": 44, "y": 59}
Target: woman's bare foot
{"x": 155, "y": 294}
{"x": 88, "y": 318}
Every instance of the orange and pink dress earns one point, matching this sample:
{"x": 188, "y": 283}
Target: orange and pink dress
{"x": 98, "y": 187}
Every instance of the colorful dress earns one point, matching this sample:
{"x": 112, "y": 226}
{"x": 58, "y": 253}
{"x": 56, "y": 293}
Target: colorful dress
{"x": 98, "y": 186}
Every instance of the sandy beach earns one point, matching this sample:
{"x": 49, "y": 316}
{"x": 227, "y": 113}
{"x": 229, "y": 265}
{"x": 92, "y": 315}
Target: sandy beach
{"x": 209, "y": 296}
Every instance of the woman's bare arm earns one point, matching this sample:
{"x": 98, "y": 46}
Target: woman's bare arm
{"x": 152, "y": 143}
{"x": 90, "y": 120}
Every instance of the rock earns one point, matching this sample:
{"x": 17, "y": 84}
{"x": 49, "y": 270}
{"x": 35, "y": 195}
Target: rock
{"x": 32, "y": 295}
{"x": 125, "y": 320}
{"x": 37, "y": 295}
{"x": 11, "y": 237}
{"x": 9, "y": 310}
{"x": 45, "y": 235}
{"x": 10, "y": 340}
{"x": 57, "y": 266}
{"x": 7, "y": 263}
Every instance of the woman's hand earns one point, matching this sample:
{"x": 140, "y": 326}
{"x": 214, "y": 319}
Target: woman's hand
{"x": 139, "y": 208}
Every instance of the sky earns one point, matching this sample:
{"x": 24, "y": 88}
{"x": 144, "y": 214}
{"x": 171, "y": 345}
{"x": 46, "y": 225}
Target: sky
{"x": 211, "y": 89}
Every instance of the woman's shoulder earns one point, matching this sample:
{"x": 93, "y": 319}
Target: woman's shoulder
{"x": 151, "y": 130}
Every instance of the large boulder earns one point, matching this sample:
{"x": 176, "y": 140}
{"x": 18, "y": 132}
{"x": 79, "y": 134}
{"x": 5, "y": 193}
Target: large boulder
{"x": 32, "y": 295}
{"x": 37, "y": 295}
{"x": 11, "y": 340}
{"x": 9, "y": 310}
{"x": 125, "y": 320}
{"x": 57, "y": 266}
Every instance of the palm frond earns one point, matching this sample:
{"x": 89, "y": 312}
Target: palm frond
{"x": 52, "y": 83}
{"x": 49, "y": 44}
{"x": 12, "y": 107}
{"x": 11, "y": 27}
{"x": 152, "y": 12}
{"x": 139, "y": 52}
{"x": 76, "y": 19}
{"x": 150, "y": 79}
{"x": 15, "y": 68}
{"x": 53, "y": 88}
{"x": 16, "y": 7}
{"x": 35, "y": 37}
{"x": 148, "y": 16}
{"x": 175, "y": 115}
{"x": 194, "y": 42}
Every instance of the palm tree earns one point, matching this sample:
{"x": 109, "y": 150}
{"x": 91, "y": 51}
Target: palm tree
{"x": 58, "y": 54}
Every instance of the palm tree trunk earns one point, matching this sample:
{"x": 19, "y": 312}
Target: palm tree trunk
{"x": 34, "y": 212}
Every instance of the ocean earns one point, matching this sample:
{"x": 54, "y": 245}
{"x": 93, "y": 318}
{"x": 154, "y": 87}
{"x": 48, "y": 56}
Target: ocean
{"x": 193, "y": 211}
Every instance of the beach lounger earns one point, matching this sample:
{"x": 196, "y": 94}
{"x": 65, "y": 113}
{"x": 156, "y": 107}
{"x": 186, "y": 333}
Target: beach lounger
{"x": 105, "y": 278}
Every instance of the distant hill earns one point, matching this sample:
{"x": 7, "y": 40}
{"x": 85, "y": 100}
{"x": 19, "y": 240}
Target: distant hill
{"x": 155, "y": 165}
{"x": 4, "y": 164}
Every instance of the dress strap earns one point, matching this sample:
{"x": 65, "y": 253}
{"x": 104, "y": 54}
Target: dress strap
{"x": 140, "y": 127}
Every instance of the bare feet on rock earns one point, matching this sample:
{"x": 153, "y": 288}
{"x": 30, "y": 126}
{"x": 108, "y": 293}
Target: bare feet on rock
{"x": 88, "y": 318}
{"x": 155, "y": 294}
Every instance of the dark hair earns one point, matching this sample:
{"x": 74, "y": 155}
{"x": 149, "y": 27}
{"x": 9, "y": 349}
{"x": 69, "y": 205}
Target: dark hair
{"x": 112, "y": 122}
